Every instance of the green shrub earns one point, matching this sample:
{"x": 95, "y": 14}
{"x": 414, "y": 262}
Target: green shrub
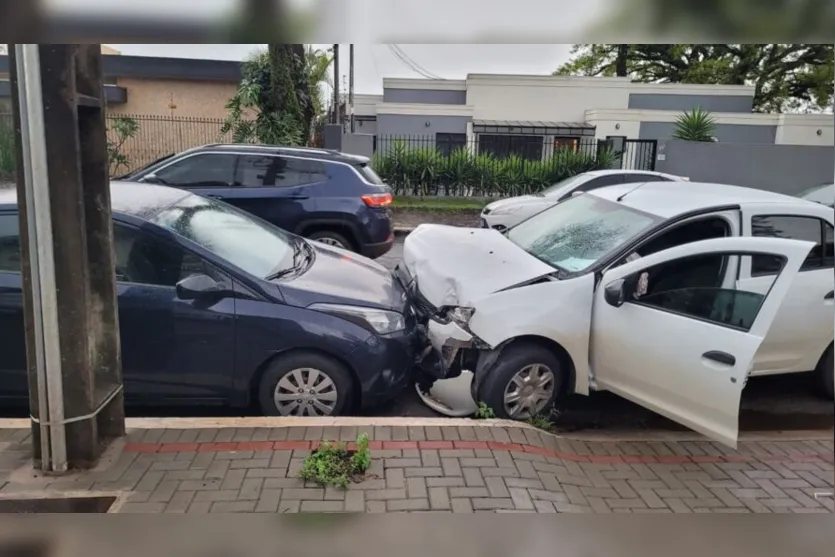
{"x": 7, "y": 147}
{"x": 425, "y": 171}
{"x": 333, "y": 464}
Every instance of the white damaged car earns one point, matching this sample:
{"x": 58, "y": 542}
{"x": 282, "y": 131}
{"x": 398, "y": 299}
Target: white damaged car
{"x": 668, "y": 294}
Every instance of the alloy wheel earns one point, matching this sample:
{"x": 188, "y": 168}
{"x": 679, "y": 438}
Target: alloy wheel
{"x": 305, "y": 392}
{"x": 331, "y": 242}
{"x": 528, "y": 392}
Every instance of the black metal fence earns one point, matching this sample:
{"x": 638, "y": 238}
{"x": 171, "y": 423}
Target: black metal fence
{"x": 533, "y": 148}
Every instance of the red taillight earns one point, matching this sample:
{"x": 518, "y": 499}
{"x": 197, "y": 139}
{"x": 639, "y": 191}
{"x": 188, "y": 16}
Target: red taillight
{"x": 378, "y": 199}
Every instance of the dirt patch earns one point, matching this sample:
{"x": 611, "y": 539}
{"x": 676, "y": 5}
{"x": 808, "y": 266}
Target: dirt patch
{"x": 409, "y": 218}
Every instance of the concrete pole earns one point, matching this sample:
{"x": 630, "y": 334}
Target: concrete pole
{"x": 72, "y": 330}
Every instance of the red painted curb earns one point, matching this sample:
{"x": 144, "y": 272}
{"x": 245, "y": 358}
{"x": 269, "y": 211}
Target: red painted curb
{"x": 476, "y": 445}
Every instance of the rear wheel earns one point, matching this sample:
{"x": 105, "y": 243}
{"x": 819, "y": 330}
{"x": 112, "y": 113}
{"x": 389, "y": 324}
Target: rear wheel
{"x": 525, "y": 382}
{"x": 331, "y": 238}
{"x": 305, "y": 384}
{"x": 826, "y": 374}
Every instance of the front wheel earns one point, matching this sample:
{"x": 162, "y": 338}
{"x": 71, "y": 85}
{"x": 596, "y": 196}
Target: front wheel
{"x": 524, "y": 383}
{"x": 305, "y": 384}
{"x": 826, "y": 374}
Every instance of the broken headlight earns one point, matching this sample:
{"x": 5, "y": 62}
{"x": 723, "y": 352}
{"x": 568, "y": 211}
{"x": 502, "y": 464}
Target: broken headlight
{"x": 460, "y": 315}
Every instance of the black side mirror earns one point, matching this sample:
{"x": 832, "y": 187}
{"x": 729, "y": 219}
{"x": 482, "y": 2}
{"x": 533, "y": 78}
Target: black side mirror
{"x": 614, "y": 293}
{"x": 197, "y": 286}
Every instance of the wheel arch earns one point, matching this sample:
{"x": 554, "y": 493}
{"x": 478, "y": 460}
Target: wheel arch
{"x": 342, "y": 227}
{"x": 255, "y": 381}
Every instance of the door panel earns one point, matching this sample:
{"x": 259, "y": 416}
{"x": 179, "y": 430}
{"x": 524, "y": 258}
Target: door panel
{"x": 789, "y": 347}
{"x": 277, "y": 189}
{"x": 685, "y": 353}
{"x": 14, "y": 382}
{"x": 172, "y": 349}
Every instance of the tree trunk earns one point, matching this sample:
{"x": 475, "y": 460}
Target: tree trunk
{"x": 621, "y": 69}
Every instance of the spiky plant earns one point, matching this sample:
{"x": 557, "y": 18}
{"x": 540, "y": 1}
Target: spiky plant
{"x": 695, "y": 125}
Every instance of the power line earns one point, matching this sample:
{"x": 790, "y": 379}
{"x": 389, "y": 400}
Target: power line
{"x": 398, "y": 53}
{"x": 413, "y": 63}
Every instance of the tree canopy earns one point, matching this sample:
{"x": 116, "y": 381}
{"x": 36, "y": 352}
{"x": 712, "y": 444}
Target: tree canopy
{"x": 786, "y": 77}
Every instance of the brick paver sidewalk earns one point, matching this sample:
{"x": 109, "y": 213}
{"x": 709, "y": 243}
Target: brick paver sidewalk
{"x": 440, "y": 469}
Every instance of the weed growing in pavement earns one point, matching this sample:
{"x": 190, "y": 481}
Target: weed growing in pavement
{"x": 334, "y": 464}
{"x": 484, "y": 412}
{"x": 541, "y": 421}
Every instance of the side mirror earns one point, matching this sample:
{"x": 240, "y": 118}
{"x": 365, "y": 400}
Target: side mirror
{"x": 197, "y": 286}
{"x": 576, "y": 193}
{"x": 151, "y": 179}
{"x": 614, "y": 293}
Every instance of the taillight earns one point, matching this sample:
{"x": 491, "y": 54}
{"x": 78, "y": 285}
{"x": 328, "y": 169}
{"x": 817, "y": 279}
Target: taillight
{"x": 378, "y": 199}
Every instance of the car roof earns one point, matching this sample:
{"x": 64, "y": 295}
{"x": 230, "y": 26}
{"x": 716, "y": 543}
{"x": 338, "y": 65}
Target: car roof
{"x": 671, "y": 199}
{"x": 139, "y": 200}
{"x": 609, "y": 172}
{"x": 307, "y": 152}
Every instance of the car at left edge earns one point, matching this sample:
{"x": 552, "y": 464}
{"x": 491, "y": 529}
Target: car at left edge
{"x": 218, "y": 307}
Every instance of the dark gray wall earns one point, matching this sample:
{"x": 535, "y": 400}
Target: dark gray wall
{"x": 332, "y": 137}
{"x": 358, "y": 144}
{"x": 424, "y": 96}
{"x": 725, "y": 133}
{"x": 399, "y": 124}
{"x": 785, "y": 169}
{"x": 711, "y": 103}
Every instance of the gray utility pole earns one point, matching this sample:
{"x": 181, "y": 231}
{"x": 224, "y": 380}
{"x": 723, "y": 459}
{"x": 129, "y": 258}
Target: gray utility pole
{"x": 337, "y": 113}
{"x": 69, "y": 293}
{"x": 351, "y": 85}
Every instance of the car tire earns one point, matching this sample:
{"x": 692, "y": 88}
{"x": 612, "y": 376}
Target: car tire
{"x": 520, "y": 360}
{"x": 333, "y": 239}
{"x": 287, "y": 374}
{"x": 826, "y": 374}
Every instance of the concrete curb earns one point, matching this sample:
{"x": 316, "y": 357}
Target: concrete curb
{"x": 403, "y": 230}
{"x": 591, "y": 436}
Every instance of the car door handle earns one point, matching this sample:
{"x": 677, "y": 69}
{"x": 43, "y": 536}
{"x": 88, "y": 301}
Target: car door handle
{"x": 720, "y": 357}
{"x": 830, "y": 296}
{"x": 298, "y": 196}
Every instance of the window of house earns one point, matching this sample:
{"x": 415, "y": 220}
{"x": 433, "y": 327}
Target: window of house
{"x": 208, "y": 170}
{"x": 692, "y": 287}
{"x": 448, "y": 143}
{"x": 10, "y": 258}
{"x": 528, "y": 147}
{"x": 143, "y": 258}
{"x": 797, "y": 228}
{"x": 569, "y": 143}
{"x": 269, "y": 171}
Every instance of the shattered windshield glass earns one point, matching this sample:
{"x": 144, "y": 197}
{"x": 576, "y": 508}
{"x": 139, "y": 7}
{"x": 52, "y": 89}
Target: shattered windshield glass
{"x": 577, "y": 233}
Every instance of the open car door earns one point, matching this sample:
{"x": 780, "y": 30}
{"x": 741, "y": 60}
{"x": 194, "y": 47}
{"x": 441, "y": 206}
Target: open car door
{"x": 667, "y": 336}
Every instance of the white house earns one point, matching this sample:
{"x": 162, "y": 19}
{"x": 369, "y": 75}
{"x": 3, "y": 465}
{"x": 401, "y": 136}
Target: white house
{"x": 531, "y": 114}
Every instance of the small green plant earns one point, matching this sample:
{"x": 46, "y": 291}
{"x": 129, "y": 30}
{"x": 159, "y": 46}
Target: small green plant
{"x": 695, "y": 125}
{"x": 484, "y": 412}
{"x": 123, "y": 128}
{"x": 334, "y": 464}
{"x": 7, "y": 147}
{"x": 541, "y": 421}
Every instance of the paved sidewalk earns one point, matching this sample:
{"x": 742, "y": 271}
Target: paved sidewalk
{"x": 461, "y": 469}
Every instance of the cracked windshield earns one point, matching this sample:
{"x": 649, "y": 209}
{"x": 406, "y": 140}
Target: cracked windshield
{"x": 576, "y": 233}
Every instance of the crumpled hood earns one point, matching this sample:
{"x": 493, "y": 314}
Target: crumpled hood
{"x": 455, "y": 266}
{"x": 527, "y": 202}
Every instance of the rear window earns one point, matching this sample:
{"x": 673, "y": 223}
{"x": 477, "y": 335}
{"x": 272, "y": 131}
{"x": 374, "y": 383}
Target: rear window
{"x": 370, "y": 176}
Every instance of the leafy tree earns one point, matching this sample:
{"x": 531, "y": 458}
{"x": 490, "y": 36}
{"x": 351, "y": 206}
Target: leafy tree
{"x": 122, "y": 129}
{"x": 279, "y": 97}
{"x": 786, "y": 77}
{"x": 694, "y": 125}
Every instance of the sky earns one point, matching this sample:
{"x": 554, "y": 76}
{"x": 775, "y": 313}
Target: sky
{"x": 372, "y": 62}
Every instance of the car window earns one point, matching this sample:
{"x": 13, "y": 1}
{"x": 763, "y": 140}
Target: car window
{"x": 564, "y": 186}
{"x": 632, "y": 178}
{"x": 210, "y": 170}
{"x": 9, "y": 244}
{"x": 269, "y": 171}
{"x": 602, "y": 182}
{"x": 693, "y": 287}
{"x": 250, "y": 244}
{"x": 798, "y": 228}
{"x": 142, "y": 258}
{"x": 575, "y": 234}
{"x": 370, "y": 176}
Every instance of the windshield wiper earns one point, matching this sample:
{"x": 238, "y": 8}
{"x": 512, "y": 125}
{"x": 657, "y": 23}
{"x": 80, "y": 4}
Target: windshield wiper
{"x": 303, "y": 256}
